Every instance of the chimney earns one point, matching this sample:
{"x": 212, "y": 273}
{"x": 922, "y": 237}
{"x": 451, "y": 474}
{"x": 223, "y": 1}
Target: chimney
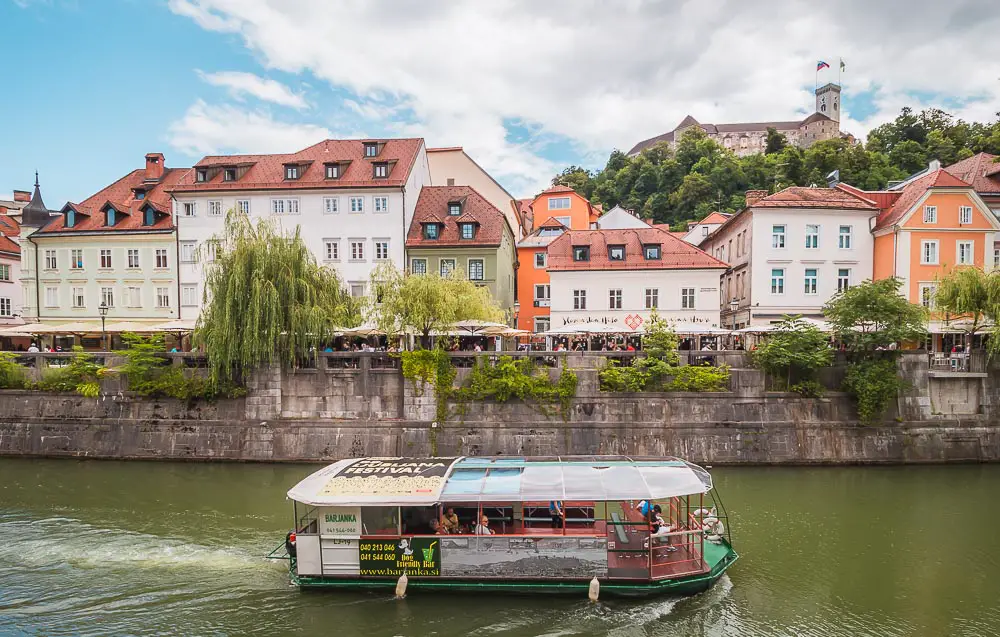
{"x": 934, "y": 165}
{"x": 154, "y": 166}
{"x": 753, "y": 196}
{"x": 23, "y": 196}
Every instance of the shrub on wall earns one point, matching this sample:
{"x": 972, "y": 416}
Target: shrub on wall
{"x": 792, "y": 354}
{"x": 81, "y": 375}
{"x": 12, "y": 374}
{"x": 700, "y": 378}
{"x": 874, "y": 384}
{"x": 150, "y": 374}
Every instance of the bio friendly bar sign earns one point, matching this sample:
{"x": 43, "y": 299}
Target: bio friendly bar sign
{"x": 413, "y": 556}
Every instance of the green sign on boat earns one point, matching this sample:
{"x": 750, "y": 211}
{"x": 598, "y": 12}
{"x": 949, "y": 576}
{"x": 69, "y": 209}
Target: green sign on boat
{"x": 412, "y": 555}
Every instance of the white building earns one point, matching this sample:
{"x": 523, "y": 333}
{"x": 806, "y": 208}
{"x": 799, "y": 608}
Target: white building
{"x": 116, "y": 248}
{"x": 352, "y": 200}
{"x": 617, "y": 277}
{"x": 790, "y": 252}
{"x": 619, "y": 218}
{"x": 698, "y": 231}
{"x": 11, "y": 290}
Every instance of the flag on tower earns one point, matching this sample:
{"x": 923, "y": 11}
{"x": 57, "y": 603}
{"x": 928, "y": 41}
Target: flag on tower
{"x": 822, "y": 65}
{"x": 842, "y": 66}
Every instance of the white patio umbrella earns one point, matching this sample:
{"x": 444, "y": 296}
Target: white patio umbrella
{"x": 131, "y": 326}
{"x": 562, "y": 331}
{"x": 474, "y": 326}
{"x": 368, "y": 329}
{"x": 697, "y": 328}
{"x": 179, "y": 325}
{"x": 27, "y": 328}
{"x": 601, "y": 328}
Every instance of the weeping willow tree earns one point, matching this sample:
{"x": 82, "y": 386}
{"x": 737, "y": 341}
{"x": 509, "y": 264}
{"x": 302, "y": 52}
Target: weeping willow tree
{"x": 266, "y": 300}
{"x": 973, "y": 296}
{"x": 424, "y": 303}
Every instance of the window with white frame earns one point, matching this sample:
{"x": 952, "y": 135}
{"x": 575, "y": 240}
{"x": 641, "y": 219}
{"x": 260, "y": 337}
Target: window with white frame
{"x": 446, "y": 267}
{"x": 930, "y": 214}
{"x": 927, "y": 292}
{"x": 50, "y": 260}
{"x": 810, "y": 281}
{"x": 542, "y": 324}
{"x": 542, "y": 291}
{"x": 843, "y": 279}
{"x": 189, "y": 209}
{"x": 105, "y": 258}
{"x": 380, "y": 204}
{"x": 357, "y": 290}
{"x": 284, "y": 206}
{"x": 477, "y": 270}
{"x": 579, "y": 299}
{"x": 108, "y": 296}
{"x": 687, "y": 298}
{"x": 381, "y": 249}
{"x": 929, "y": 252}
{"x": 559, "y": 203}
{"x": 704, "y": 231}
{"x": 381, "y": 170}
{"x": 5, "y": 307}
{"x": 76, "y": 259}
{"x": 51, "y": 297}
{"x": 211, "y": 246}
{"x": 133, "y": 257}
{"x": 79, "y": 300}
{"x": 332, "y": 171}
{"x": 133, "y": 296}
{"x": 541, "y": 259}
{"x": 965, "y": 215}
{"x": 161, "y": 258}
{"x": 564, "y": 221}
{"x": 777, "y": 280}
{"x": 418, "y": 266}
{"x": 615, "y": 299}
{"x": 845, "y": 237}
{"x": 331, "y": 205}
{"x": 187, "y": 251}
{"x": 996, "y": 257}
{"x": 215, "y": 208}
{"x": 964, "y": 252}
{"x": 4, "y": 272}
{"x": 357, "y": 250}
{"x": 189, "y": 295}
{"x": 357, "y": 204}
{"x": 331, "y": 249}
{"x": 652, "y": 298}
{"x": 812, "y": 236}
{"x": 243, "y": 205}
{"x": 163, "y": 297}
{"x": 291, "y": 172}
{"x": 778, "y": 236}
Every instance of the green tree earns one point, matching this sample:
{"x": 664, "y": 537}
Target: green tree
{"x": 794, "y": 352}
{"x": 427, "y": 302}
{"x": 874, "y": 315}
{"x": 267, "y": 300}
{"x": 776, "y": 142}
{"x": 579, "y": 179}
{"x": 970, "y": 293}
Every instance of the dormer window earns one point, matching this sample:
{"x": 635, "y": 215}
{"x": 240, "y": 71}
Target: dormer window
{"x": 291, "y": 171}
{"x": 651, "y": 251}
{"x": 431, "y": 231}
{"x": 200, "y": 175}
{"x": 381, "y": 170}
{"x": 229, "y": 174}
{"x": 581, "y": 253}
{"x": 371, "y": 149}
{"x": 110, "y": 216}
{"x": 467, "y": 230}
{"x": 454, "y": 209}
{"x": 140, "y": 195}
{"x": 148, "y": 216}
{"x": 70, "y": 218}
{"x": 333, "y": 171}
{"x": 616, "y": 253}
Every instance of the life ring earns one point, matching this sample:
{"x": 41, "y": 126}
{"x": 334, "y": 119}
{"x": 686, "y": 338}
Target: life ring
{"x": 700, "y": 513}
{"x": 714, "y": 529}
{"x": 290, "y": 543}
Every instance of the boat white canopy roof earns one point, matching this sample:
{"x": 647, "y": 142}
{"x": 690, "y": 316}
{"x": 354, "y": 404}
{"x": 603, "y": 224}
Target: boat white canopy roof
{"x": 428, "y": 481}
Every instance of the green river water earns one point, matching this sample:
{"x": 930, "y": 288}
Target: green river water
{"x": 116, "y": 548}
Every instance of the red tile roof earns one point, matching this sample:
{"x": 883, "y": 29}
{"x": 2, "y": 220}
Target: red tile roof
{"x": 676, "y": 254}
{"x": 432, "y": 206}
{"x": 912, "y": 192}
{"x": 267, "y": 172}
{"x": 982, "y": 171}
{"x": 122, "y": 196}
{"x": 9, "y": 226}
{"x": 9, "y": 245}
{"x": 556, "y": 189}
{"x": 552, "y": 222}
{"x": 527, "y": 216}
{"x": 802, "y": 197}
{"x": 714, "y": 217}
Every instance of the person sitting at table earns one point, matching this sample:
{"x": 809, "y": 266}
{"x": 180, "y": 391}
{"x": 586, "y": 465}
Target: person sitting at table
{"x": 450, "y": 520}
{"x": 483, "y": 528}
{"x": 437, "y": 528}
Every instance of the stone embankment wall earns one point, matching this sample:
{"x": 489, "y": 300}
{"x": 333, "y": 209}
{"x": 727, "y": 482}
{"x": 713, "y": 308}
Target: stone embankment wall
{"x": 362, "y": 406}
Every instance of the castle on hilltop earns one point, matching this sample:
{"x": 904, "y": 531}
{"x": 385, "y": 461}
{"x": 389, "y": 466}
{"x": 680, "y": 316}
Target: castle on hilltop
{"x": 751, "y": 138}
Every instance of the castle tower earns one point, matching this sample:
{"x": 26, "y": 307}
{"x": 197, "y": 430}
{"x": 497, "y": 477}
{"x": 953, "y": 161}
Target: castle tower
{"x": 828, "y": 101}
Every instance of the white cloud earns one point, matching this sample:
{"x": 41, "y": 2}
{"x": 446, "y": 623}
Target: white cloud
{"x": 607, "y": 75}
{"x": 210, "y": 130}
{"x": 240, "y": 84}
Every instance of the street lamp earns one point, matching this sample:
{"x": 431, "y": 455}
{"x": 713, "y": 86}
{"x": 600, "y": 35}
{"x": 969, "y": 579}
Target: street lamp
{"x": 103, "y": 310}
{"x": 733, "y": 306}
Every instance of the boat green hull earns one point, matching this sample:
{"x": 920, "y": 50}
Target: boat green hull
{"x": 689, "y": 585}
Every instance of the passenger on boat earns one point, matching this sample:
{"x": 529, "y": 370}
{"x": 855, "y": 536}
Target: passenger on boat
{"x": 557, "y": 513}
{"x": 438, "y": 528}
{"x": 483, "y": 528}
{"x": 450, "y": 520}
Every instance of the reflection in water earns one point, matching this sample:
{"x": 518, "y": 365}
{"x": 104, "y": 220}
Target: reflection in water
{"x": 107, "y": 548}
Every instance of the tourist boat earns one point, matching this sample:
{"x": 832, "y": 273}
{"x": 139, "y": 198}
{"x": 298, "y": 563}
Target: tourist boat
{"x": 528, "y": 524}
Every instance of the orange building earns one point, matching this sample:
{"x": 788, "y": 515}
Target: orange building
{"x": 548, "y": 215}
{"x": 927, "y": 227}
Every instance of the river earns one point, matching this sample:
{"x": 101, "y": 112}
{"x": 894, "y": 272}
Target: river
{"x": 138, "y": 548}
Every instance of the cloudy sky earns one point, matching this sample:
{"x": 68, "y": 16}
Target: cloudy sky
{"x": 526, "y": 87}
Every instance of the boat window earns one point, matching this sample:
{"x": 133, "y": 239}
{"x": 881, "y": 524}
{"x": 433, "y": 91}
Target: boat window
{"x": 307, "y": 519}
{"x": 380, "y": 521}
{"x": 466, "y": 514}
{"x": 417, "y": 520}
